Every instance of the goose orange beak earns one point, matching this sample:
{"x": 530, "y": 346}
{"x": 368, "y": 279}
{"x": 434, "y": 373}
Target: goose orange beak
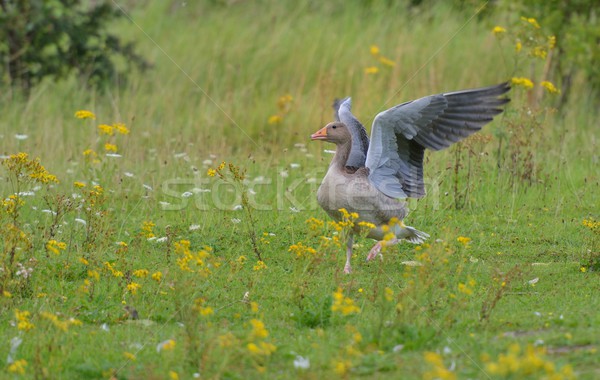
{"x": 321, "y": 134}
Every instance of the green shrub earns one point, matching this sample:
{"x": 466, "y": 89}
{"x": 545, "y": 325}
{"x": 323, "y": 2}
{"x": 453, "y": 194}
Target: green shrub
{"x": 52, "y": 39}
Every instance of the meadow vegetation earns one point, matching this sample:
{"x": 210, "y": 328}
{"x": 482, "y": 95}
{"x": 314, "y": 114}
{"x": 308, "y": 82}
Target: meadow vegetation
{"x": 168, "y": 228}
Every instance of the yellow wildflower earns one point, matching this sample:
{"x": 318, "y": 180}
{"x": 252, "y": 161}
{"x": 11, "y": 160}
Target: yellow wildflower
{"x": 6, "y": 294}
{"x": 55, "y": 246}
{"x": 121, "y": 128}
{"x": 463, "y": 239}
{"x": 521, "y": 81}
{"x": 79, "y": 184}
{"x": 168, "y": 345}
{"x": 532, "y": 21}
{"x": 141, "y": 273}
{"x": 157, "y": 276}
{"x": 22, "y": 318}
{"x": 262, "y": 348}
{"x": 284, "y": 102}
{"x": 274, "y": 119}
{"x": 388, "y": 294}
{"x": 315, "y": 224}
{"x": 343, "y": 304}
{"x": 129, "y": 356}
{"x": 549, "y": 87}
{"x": 222, "y": 165}
{"x": 367, "y": 225}
{"x": 498, "y": 31}
{"x": 83, "y": 114}
{"x": 206, "y": 311}
{"x": 439, "y": 371}
{"x": 260, "y": 265}
{"x": 258, "y": 330}
{"x": 551, "y": 42}
{"x": 93, "y": 274}
{"x": 374, "y": 50}
{"x": 147, "y": 231}
{"x": 18, "y": 367}
{"x": 539, "y": 52}
{"x": 90, "y": 153}
{"x": 173, "y": 375}
{"x": 133, "y": 287}
{"x": 110, "y": 147}
{"x": 211, "y": 172}
{"x": 386, "y": 61}
{"x": 302, "y": 251}
{"x": 341, "y": 367}
{"x": 106, "y": 129}
{"x": 518, "y": 46}
{"x": 464, "y": 289}
{"x": 371, "y": 70}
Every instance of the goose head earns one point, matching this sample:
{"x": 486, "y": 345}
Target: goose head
{"x": 335, "y": 132}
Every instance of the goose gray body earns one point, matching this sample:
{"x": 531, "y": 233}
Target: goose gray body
{"x": 372, "y": 177}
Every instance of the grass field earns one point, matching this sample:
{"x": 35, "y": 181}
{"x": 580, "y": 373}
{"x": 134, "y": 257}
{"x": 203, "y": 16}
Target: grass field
{"x": 146, "y": 257}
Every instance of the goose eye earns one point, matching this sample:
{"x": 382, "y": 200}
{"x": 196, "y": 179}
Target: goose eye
{"x": 334, "y": 126}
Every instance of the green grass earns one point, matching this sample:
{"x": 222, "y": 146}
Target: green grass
{"x": 522, "y": 193}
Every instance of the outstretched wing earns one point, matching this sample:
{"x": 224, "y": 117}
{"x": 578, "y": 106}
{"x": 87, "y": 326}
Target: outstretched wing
{"x": 360, "y": 141}
{"x": 400, "y": 135}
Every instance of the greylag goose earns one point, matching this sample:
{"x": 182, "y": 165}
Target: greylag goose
{"x": 372, "y": 178}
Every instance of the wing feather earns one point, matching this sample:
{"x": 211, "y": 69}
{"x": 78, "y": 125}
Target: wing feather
{"x": 401, "y": 134}
{"x": 360, "y": 140}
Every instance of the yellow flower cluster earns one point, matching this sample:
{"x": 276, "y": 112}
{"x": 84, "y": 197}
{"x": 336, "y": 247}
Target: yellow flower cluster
{"x": 12, "y": 204}
{"x": 110, "y": 147}
{"x": 523, "y": 82}
{"x": 55, "y": 246}
{"x": 260, "y": 265}
{"x": 284, "y": 103}
{"x": 61, "y": 325}
{"x": 18, "y": 367}
{"x": 592, "y": 224}
{"x": 192, "y": 261}
{"x": 518, "y": 363}
{"x": 467, "y": 288}
{"x": 84, "y": 114}
{"x": 531, "y": 21}
{"x": 376, "y": 53}
{"x": 439, "y": 370}
{"x": 201, "y": 307}
{"x": 141, "y": 273}
{"x": 258, "y": 330}
{"x": 257, "y": 346}
{"x": 498, "y": 31}
{"x": 157, "y": 276}
{"x": 550, "y": 87}
{"x": 168, "y": 345}
{"x": 133, "y": 287}
{"x": 315, "y": 224}
{"x": 147, "y": 229}
{"x": 301, "y": 250}
{"x": 388, "y": 294}
{"x": 23, "y": 322}
{"x": 262, "y": 348}
{"x": 463, "y": 240}
{"x": 348, "y": 219}
{"x": 112, "y": 270}
{"x": 110, "y": 130}
{"x": 343, "y": 304}
{"x": 20, "y": 165}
